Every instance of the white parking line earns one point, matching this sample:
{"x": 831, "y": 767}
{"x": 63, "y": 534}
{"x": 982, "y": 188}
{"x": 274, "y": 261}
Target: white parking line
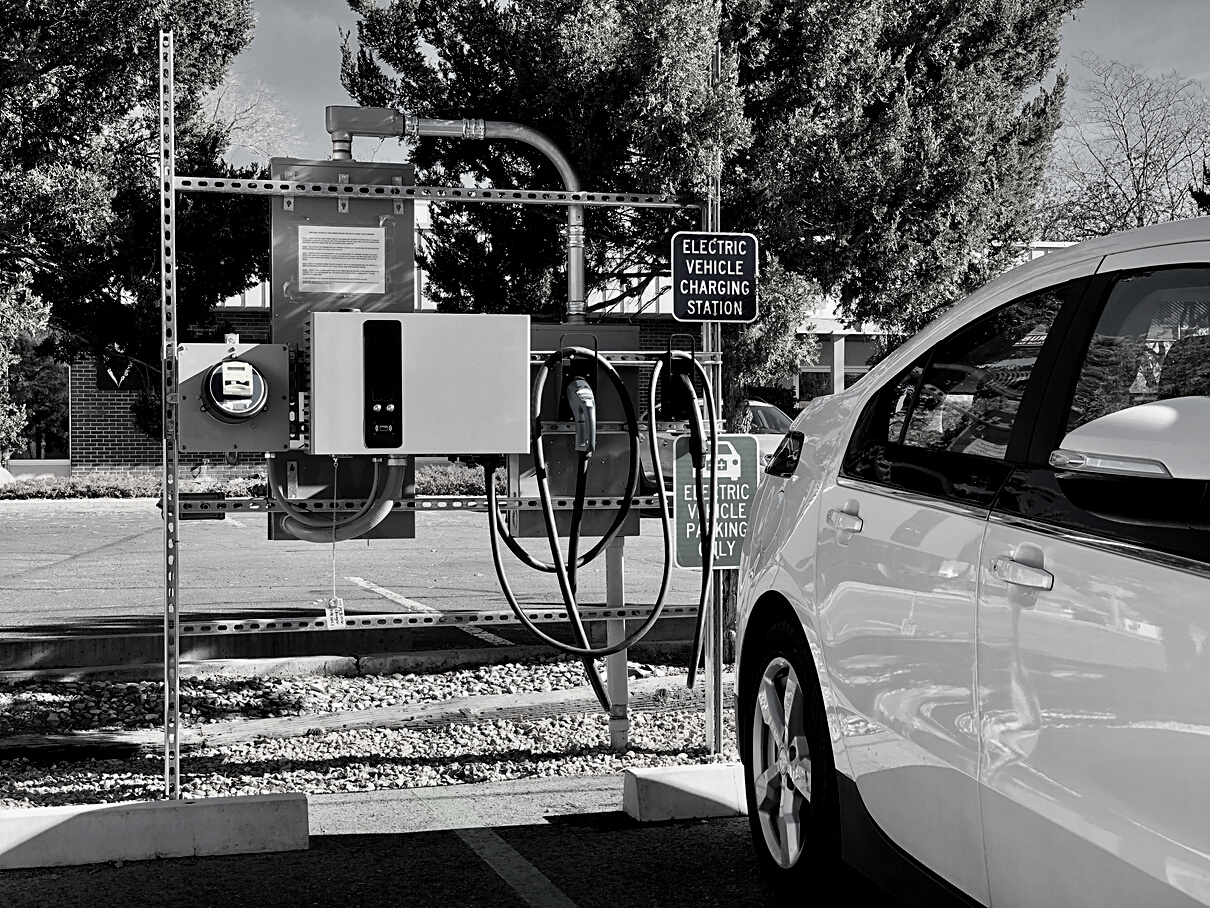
{"x": 527, "y": 880}
{"x": 410, "y": 604}
{"x": 413, "y": 606}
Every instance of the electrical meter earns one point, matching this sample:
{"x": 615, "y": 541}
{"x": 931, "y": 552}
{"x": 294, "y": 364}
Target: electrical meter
{"x": 234, "y": 397}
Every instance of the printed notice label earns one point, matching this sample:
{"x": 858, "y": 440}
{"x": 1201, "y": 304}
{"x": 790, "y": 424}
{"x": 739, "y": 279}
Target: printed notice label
{"x": 342, "y": 260}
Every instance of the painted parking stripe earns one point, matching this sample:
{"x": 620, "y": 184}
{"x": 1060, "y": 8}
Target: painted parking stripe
{"x": 413, "y": 606}
{"x": 526, "y": 880}
{"x": 410, "y": 604}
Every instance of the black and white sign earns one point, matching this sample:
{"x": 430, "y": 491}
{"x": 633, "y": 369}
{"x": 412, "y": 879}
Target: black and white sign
{"x": 714, "y": 277}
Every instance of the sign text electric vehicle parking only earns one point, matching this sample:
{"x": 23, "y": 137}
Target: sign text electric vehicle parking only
{"x": 737, "y": 466}
{"x": 714, "y": 277}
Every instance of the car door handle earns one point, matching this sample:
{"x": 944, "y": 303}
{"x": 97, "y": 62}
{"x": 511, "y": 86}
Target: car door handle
{"x": 1012, "y": 571}
{"x": 844, "y": 521}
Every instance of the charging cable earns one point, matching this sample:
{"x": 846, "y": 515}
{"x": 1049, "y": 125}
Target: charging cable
{"x": 584, "y": 407}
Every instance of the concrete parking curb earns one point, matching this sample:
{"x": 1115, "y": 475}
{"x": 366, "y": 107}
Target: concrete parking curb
{"x": 135, "y": 831}
{"x": 684, "y": 792}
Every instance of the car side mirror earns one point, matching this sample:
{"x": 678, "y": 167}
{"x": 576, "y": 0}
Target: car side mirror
{"x": 1164, "y": 439}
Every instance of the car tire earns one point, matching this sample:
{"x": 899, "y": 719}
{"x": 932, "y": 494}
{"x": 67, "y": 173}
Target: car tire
{"x": 792, "y": 796}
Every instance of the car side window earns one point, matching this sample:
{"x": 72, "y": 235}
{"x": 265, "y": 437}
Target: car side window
{"x": 1151, "y": 342}
{"x": 941, "y": 427}
{"x": 973, "y": 384}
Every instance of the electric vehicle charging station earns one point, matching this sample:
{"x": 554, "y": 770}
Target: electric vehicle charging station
{"x": 352, "y": 373}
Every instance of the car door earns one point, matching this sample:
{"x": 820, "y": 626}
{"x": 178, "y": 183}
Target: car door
{"x": 897, "y": 566}
{"x": 1094, "y": 628}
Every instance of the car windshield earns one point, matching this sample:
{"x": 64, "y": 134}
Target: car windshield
{"x": 769, "y": 418}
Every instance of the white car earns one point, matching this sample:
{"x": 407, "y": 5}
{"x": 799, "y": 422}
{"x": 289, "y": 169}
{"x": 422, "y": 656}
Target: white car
{"x": 974, "y": 606}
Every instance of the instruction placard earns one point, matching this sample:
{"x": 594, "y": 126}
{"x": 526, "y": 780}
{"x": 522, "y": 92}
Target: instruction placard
{"x": 342, "y": 260}
{"x": 737, "y": 466}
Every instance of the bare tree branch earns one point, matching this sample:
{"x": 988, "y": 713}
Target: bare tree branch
{"x": 1132, "y": 145}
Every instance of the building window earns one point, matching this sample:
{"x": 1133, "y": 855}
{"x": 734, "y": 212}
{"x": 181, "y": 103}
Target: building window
{"x": 814, "y": 383}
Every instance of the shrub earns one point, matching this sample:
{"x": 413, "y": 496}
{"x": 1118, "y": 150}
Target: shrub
{"x": 431, "y": 479}
{"x": 454, "y": 479}
{"x": 118, "y": 485}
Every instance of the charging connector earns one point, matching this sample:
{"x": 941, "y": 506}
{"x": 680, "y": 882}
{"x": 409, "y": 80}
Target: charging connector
{"x": 584, "y": 412}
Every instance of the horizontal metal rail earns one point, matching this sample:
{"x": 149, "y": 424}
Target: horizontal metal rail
{"x": 639, "y": 357}
{"x": 434, "y": 503}
{"x": 256, "y": 625}
{"x": 431, "y": 193}
{"x": 611, "y": 426}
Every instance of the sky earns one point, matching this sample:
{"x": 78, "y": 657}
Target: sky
{"x": 296, "y": 52}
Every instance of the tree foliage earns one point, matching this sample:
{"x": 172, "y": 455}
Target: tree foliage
{"x": 620, "y": 87}
{"x": 884, "y": 151}
{"x": 896, "y": 156}
{"x": 79, "y": 206}
{"x": 1129, "y": 153}
{"x": 38, "y": 384}
{"x": 1201, "y": 196}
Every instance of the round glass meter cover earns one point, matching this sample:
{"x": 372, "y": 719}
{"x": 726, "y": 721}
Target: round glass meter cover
{"x": 235, "y": 391}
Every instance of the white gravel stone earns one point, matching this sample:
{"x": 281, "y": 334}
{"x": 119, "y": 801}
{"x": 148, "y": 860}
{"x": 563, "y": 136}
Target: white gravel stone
{"x": 346, "y": 760}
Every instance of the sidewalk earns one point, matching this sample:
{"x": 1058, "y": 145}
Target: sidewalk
{"x": 517, "y": 802}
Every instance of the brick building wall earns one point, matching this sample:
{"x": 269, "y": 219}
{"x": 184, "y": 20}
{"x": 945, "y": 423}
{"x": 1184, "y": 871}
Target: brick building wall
{"x": 654, "y": 334}
{"x": 104, "y": 437}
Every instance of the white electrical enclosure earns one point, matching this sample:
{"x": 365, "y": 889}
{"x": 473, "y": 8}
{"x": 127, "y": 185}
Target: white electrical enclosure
{"x": 419, "y": 383}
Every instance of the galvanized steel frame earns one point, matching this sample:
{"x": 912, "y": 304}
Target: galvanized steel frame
{"x": 293, "y": 188}
{"x": 169, "y": 184}
{"x": 379, "y": 621}
{"x": 168, "y": 341}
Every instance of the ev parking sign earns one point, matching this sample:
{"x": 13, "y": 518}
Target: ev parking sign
{"x": 737, "y": 467}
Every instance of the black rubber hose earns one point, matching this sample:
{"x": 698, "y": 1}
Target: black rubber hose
{"x": 385, "y": 503}
{"x": 573, "y": 543}
{"x": 498, "y": 531}
{"x": 697, "y": 437}
{"x": 632, "y": 478}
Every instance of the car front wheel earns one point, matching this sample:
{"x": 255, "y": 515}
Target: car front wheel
{"x": 788, "y": 766}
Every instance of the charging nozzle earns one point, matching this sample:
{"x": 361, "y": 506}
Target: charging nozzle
{"x": 584, "y": 412}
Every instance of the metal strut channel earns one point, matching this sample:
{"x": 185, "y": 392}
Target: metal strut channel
{"x": 257, "y": 625}
{"x": 432, "y": 193}
{"x": 168, "y": 343}
{"x": 420, "y": 505}
{"x": 637, "y": 357}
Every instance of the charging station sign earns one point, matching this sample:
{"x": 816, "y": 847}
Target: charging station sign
{"x": 737, "y": 466}
{"x": 714, "y": 277}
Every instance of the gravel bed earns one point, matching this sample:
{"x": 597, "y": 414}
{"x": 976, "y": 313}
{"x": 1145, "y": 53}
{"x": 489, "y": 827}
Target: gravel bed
{"x": 39, "y": 707}
{"x": 340, "y": 761}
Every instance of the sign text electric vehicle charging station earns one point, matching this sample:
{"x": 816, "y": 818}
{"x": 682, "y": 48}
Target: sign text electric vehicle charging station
{"x": 714, "y": 277}
{"x": 736, "y": 471}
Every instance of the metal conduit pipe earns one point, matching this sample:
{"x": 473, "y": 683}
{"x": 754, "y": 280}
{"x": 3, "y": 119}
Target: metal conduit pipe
{"x": 383, "y": 122}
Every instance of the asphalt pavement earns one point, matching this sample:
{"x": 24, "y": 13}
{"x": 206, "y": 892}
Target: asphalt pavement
{"x": 548, "y": 843}
{"x": 96, "y": 566}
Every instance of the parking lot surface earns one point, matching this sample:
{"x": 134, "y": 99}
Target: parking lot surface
{"x": 556, "y": 843}
{"x": 95, "y": 566}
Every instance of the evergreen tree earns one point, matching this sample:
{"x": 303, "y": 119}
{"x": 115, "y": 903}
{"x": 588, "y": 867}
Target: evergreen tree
{"x": 897, "y": 145}
{"x": 79, "y": 203}
{"x": 885, "y": 151}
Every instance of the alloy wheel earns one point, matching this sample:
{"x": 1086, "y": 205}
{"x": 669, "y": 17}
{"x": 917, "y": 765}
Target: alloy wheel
{"x": 781, "y": 761}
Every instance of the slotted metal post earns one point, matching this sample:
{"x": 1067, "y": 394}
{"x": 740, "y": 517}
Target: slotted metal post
{"x": 615, "y": 631}
{"x": 168, "y": 342}
{"x": 712, "y": 342}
